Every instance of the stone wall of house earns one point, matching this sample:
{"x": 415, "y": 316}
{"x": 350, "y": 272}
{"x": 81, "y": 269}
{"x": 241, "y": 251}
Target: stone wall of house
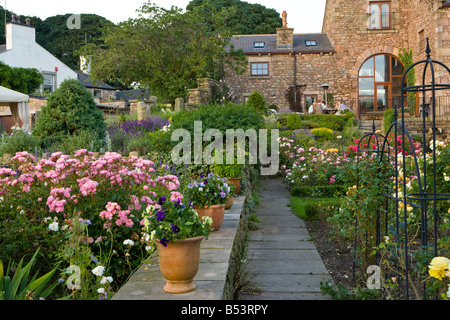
{"x": 273, "y": 87}
{"x": 430, "y": 19}
{"x": 347, "y": 25}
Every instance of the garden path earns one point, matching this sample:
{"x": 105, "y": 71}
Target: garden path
{"x": 283, "y": 262}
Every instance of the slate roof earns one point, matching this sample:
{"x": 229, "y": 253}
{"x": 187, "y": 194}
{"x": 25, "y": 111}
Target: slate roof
{"x": 245, "y": 42}
{"x": 132, "y": 95}
{"x": 86, "y": 81}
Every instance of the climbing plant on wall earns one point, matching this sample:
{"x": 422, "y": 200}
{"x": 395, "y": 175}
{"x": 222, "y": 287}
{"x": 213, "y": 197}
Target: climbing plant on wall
{"x": 406, "y": 57}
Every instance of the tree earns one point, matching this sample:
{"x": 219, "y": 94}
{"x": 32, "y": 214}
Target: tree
{"x": 70, "y": 110}
{"x": 25, "y": 80}
{"x": 243, "y": 17}
{"x": 165, "y": 50}
{"x": 257, "y": 101}
{"x": 35, "y": 21}
{"x": 64, "y": 43}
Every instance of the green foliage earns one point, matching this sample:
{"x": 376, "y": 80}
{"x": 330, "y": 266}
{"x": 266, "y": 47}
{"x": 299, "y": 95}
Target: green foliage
{"x": 228, "y": 170}
{"x": 70, "y": 109}
{"x": 388, "y": 119}
{"x": 257, "y": 101}
{"x": 64, "y": 43}
{"x": 362, "y": 206}
{"x": 19, "y": 141}
{"x": 25, "y": 80}
{"x": 228, "y": 116}
{"x": 20, "y": 287}
{"x": 161, "y": 141}
{"x": 323, "y": 134}
{"x": 143, "y": 145}
{"x": 319, "y": 191}
{"x": 336, "y": 123}
{"x": 341, "y": 292}
{"x": 80, "y": 140}
{"x": 244, "y": 17}
{"x": 293, "y": 121}
{"x": 175, "y": 49}
{"x": 311, "y": 208}
{"x": 35, "y": 21}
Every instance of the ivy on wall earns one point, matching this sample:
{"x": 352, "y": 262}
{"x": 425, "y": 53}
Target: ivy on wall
{"x": 406, "y": 57}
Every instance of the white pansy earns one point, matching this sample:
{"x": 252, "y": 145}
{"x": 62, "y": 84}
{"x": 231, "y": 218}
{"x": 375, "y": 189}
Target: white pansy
{"x": 128, "y": 242}
{"x": 101, "y": 290}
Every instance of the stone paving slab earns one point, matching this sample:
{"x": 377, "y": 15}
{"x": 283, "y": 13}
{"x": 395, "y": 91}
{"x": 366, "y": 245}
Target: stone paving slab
{"x": 274, "y": 245}
{"x": 288, "y": 283}
{"x": 266, "y": 295}
{"x": 283, "y": 262}
{"x": 285, "y": 254}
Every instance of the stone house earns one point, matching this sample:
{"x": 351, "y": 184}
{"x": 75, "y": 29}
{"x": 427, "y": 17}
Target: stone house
{"x": 357, "y": 54}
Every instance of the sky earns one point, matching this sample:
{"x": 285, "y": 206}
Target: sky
{"x": 305, "y": 16}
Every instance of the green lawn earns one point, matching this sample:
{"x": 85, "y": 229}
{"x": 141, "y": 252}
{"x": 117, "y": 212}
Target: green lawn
{"x": 308, "y": 208}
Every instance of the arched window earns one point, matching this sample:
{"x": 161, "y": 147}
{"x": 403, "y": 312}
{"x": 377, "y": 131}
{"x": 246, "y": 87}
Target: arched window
{"x": 380, "y": 80}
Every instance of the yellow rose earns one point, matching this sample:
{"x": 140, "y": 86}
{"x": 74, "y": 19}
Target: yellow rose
{"x": 437, "y": 267}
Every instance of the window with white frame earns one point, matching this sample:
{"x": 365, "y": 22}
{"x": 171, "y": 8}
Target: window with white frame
{"x": 259, "y": 45}
{"x": 259, "y": 68}
{"x": 49, "y": 82}
{"x": 380, "y": 15}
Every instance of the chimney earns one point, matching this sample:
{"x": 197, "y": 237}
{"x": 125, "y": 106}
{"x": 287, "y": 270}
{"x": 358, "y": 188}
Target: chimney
{"x": 27, "y": 22}
{"x": 285, "y": 35}
{"x": 19, "y": 35}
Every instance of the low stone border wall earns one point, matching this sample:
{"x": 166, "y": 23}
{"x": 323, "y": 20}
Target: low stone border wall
{"x": 219, "y": 264}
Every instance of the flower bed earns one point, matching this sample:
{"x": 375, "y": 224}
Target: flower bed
{"x": 82, "y": 211}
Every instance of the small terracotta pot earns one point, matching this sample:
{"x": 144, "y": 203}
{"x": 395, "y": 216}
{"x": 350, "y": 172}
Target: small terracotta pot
{"x": 179, "y": 263}
{"x": 235, "y": 182}
{"x": 215, "y": 212}
{"x": 229, "y": 203}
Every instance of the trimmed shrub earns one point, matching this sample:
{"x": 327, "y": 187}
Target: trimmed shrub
{"x": 69, "y": 110}
{"x": 257, "y": 101}
{"x": 323, "y": 134}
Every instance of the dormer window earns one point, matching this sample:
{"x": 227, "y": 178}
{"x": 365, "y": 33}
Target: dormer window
{"x": 310, "y": 43}
{"x": 259, "y": 45}
{"x": 380, "y": 15}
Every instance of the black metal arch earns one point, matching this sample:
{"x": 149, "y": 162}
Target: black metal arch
{"x": 423, "y": 196}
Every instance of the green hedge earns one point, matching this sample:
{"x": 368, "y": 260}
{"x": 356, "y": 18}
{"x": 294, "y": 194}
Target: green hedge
{"x": 221, "y": 117}
{"x": 338, "y": 123}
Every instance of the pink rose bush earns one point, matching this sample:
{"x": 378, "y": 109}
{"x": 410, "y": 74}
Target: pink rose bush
{"x": 312, "y": 166}
{"x": 47, "y": 197}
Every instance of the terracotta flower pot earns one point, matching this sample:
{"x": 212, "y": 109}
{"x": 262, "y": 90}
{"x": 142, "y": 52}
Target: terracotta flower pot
{"x": 215, "y": 212}
{"x": 179, "y": 263}
{"x": 229, "y": 203}
{"x": 235, "y": 182}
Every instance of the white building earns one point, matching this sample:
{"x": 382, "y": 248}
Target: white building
{"x": 22, "y": 51}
